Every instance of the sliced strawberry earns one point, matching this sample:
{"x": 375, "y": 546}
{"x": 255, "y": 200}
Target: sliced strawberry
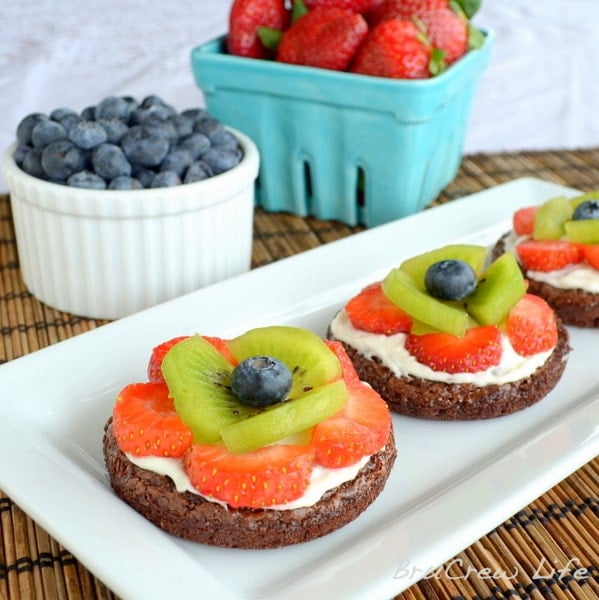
{"x": 158, "y": 354}
{"x": 477, "y": 350}
{"x": 548, "y": 255}
{"x": 221, "y": 345}
{"x": 145, "y": 422}
{"x": 523, "y": 220}
{"x": 264, "y": 477}
{"x": 359, "y": 429}
{"x": 591, "y": 254}
{"x": 531, "y": 326}
{"x": 348, "y": 371}
{"x": 372, "y": 311}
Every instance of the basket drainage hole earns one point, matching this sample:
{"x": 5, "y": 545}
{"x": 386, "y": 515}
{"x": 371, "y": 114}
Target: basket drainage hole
{"x": 360, "y": 187}
{"x": 308, "y": 189}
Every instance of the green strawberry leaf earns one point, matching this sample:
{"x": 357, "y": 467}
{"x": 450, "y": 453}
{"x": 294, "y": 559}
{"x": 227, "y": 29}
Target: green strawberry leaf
{"x": 437, "y": 64}
{"x": 468, "y": 7}
{"x": 476, "y": 38}
{"x": 270, "y": 38}
{"x": 299, "y": 9}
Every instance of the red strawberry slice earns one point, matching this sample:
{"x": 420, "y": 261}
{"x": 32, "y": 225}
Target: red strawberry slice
{"x": 158, "y": 354}
{"x": 394, "y": 49}
{"x": 145, "y": 422}
{"x": 523, "y": 220}
{"x": 477, "y": 350}
{"x": 531, "y": 326}
{"x": 348, "y": 371}
{"x": 591, "y": 254}
{"x": 327, "y": 38}
{"x": 548, "y": 255}
{"x": 245, "y": 17}
{"x": 221, "y": 345}
{"x": 372, "y": 311}
{"x": 359, "y": 429}
{"x": 261, "y": 478}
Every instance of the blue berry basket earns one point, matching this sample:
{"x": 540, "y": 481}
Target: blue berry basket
{"x": 358, "y": 149}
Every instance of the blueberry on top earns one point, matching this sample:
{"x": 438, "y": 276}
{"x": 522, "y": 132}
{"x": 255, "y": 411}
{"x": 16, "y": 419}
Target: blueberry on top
{"x": 587, "y": 210}
{"x": 261, "y": 381}
{"x": 450, "y": 279}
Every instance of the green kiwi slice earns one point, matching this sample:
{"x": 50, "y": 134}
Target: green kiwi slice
{"x": 550, "y": 218}
{"x": 403, "y": 291}
{"x": 500, "y": 287}
{"x": 285, "y": 419}
{"x": 583, "y": 231}
{"x": 198, "y": 377}
{"x": 417, "y": 266}
{"x": 309, "y": 359}
{"x": 199, "y": 380}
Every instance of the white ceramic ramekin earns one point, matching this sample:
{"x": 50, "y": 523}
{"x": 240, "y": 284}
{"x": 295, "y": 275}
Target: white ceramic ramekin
{"x": 105, "y": 254}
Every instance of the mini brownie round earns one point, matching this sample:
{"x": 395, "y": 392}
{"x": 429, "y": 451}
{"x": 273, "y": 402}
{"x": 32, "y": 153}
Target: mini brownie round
{"x": 192, "y": 517}
{"x": 259, "y": 441}
{"x": 428, "y": 399}
{"x": 449, "y": 335}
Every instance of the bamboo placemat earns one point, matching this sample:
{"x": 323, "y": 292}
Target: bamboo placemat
{"x": 549, "y": 549}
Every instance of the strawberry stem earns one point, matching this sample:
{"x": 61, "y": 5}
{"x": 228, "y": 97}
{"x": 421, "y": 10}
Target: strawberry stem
{"x": 468, "y": 7}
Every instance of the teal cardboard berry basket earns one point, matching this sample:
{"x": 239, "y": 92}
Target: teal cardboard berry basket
{"x": 358, "y": 149}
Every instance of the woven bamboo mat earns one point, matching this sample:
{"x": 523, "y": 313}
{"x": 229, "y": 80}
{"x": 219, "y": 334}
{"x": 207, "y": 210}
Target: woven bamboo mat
{"x": 548, "y": 549}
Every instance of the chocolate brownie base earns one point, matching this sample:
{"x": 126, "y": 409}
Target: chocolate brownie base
{"x": 574, "y": 307}
{"x": 191, "y": 517}
{"x": 461, "y": 401}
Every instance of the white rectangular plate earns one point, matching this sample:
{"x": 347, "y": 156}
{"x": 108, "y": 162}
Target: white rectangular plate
{"x": 452, "y": 482}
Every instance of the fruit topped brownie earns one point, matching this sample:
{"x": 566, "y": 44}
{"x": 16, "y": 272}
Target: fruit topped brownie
{"x": 263, "y": 440}
{"x": 557, "y": 247}
{"x": 448, "y": 336}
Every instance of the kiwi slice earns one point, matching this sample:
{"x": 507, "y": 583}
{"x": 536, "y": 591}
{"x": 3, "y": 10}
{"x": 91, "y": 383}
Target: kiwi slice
{"x": 577, "y": 200}
{"x": 285, "y": 419}
{"x": 417, "y": 266}
{"x": 406, "y": 293}
{"x": 309, "y": 359}
{"x": 500, "y": 287}
{"x": 550, "y": 218}
{"x": 198, "y": 378}
{"x": 583, "y": 231}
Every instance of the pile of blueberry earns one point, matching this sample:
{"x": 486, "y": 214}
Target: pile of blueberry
{"x": 123, "y": 144}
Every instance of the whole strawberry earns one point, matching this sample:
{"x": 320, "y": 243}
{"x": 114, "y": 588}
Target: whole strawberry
{"x": 405, "y": 9}
{"x": 245, "y": 17}
{"x": 395, "y": 49}
{"x": 358, "y": 6}
{"x": 446, "y": 30}
{"x": 327, "y": 38}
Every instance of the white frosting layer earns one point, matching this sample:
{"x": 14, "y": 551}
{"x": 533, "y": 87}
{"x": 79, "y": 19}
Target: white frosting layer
{"x": 580, "y": 276}
{"x": 321, "y": 479}
{"x": 391, "y": 351}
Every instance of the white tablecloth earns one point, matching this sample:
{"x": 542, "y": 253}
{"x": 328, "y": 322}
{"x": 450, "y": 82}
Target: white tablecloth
{"x": 540, "y": 90}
